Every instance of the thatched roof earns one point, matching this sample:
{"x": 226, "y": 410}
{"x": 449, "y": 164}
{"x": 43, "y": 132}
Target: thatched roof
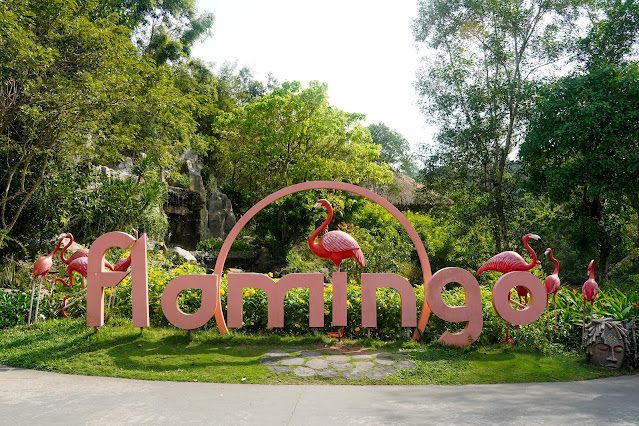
{"x": 406, "y": 193}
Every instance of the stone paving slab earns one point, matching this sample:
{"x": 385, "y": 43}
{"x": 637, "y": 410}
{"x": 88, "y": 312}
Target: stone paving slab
{"x": 317, "y": 364}
{"x": 307, "y": 363}
{"x": 293, "y": 361}
{"x": 304, "y": 371}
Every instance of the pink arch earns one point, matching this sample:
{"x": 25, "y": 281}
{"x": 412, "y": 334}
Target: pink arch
{"x": 419, "y": 245}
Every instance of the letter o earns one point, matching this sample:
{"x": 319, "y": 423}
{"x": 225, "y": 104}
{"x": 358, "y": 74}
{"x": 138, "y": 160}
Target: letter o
{"x": 501, "y": 297}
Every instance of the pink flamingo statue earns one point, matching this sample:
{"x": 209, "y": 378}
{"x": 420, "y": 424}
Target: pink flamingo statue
{"x": 41, "y": 268}
{"x": 552, "y": 281}
{"x": 334, "y": 245}
{"x": 590, "y": 290}
{"x": 509, "y": 261}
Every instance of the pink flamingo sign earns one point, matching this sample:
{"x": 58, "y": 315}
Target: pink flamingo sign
{"x": 98, "y": 279}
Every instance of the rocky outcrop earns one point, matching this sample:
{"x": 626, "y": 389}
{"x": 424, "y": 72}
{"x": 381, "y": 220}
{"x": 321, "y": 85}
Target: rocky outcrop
{"x": 187, "y": 217}
{"x": 220, "y": 215}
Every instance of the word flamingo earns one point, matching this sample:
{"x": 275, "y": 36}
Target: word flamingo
{"x": 590, "y": 289}
{"x": 334, "y": 245}
{"x": 552, "y": 281}
{"x": 41, "y": 268}
{"x": 509, "y": 261}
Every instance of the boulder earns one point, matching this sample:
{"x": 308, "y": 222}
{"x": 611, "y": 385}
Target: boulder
{"x": 184, "y": 254}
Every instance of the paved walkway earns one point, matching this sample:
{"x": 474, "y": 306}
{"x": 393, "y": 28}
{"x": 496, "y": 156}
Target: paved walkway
{"x": 35, "y": 397}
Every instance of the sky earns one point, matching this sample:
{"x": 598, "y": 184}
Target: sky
{"x": 362, "y": 49}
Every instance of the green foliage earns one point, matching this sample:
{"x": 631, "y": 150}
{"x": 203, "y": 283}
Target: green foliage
{"x": 582, "y": 151}
{"x": 76, "y": 90}
{"x": 238, "y": 248}
{"x": 395, "y": 148}
{"x": 477, "y": 85}
{"x": 14, "y": 308}
{"x": 292, "y": 135}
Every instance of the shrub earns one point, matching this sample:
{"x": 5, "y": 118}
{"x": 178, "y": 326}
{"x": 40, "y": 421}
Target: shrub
{"x": 14, "y": 308}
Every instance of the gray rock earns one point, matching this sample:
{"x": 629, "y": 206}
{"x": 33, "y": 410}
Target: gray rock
{"x": 382, "y": 354}
{"x": 184, "y": 254}
{"x": 311, "y": 354}
{"x": 276, "y": 353}
{"x": 406, "y": 364}
{"x": 328, "y": 373}
{"x": 376, "y": 374}
{"x": 384, "y": 361}
{"x": 291, "y": 351}
{"x": 269, "y": 360}
{"x": 362, "y": 357}
{"x": 342, "y": 366}
{"x": 338, "y": 358}
{"x": 317, "y": 364}
{"x": 279, "y": 368}
{"x": 364, "y": 365}
{"x": 388, "y": 369}
{"x": 293, "y": 361}
{"x": 353, "y": 374}
{"x": 193, "y": 169}
{"x": 304, "y": 371}
{"x": 398, "y": 356}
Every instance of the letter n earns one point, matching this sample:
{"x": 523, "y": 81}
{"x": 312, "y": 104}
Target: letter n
{"x": 370, "y": 284}
{"x": 275, "y": 292}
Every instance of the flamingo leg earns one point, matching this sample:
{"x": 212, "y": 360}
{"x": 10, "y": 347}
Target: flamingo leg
{"x": 31, "y": 303}
{"x": 35, "y": 319}
{"x": 64, "y": 302}
{"x": 554, "y": 304}
{"x": 591, "y": 303}
{"x": 112, "y": 298}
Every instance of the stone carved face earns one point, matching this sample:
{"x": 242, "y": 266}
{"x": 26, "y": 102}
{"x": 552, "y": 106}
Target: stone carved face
{"x": 607, "y": 352}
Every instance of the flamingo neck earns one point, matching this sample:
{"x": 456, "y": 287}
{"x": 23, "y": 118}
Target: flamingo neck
{"x": 329, "y": 217}
{"x": 531, "y": 251}
{"x": 556, "y": 264}
{"x": 64, "y": 249}
{"x": 591, "y": 269}
{"x": 55, "y": 249}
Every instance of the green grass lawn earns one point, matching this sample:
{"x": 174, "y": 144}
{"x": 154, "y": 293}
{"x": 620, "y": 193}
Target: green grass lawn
{"x": 69, "y": 346}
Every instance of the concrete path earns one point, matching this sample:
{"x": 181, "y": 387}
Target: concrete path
{"x": 35, "y": 397}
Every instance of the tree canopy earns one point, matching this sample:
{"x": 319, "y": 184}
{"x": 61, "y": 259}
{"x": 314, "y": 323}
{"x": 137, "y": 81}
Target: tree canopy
{"x": 292, "y": 135}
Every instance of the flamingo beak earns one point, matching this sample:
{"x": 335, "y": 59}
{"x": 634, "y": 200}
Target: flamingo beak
{"x": 546, "y": 252}
{"x": 317, "y": 205}
{"x": 535, "y": 237}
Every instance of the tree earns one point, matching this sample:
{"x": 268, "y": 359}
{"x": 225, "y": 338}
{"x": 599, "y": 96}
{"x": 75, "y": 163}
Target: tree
{"x": 293, "y": 135}
{"x": 163, "y": 29}
{"x": 478, "y": 85}
{"x": 582, "y": 149}
{"x": 75, "y": 88}
{"x": 395, "y": 148}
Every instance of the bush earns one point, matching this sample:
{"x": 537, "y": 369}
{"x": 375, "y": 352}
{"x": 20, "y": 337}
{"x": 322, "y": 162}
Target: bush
{"x": 14, "y": 308}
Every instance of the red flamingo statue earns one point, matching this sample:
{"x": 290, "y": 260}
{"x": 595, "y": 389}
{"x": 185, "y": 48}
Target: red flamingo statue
{"x": 552, "y": 281}
{"x": 41, "y": 268}
{"x": 509, "y": 261}
{"x": 590, "y": 289}
{"x": 334, "y": 245}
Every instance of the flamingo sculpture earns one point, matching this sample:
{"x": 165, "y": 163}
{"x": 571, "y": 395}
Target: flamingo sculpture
{"x": 552, "y": 281}
{"x": 509, "y": 261}
{"x": 41, "y": 268}
{"x": 590, "y": 289}
{"x": 334, "y": 245}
